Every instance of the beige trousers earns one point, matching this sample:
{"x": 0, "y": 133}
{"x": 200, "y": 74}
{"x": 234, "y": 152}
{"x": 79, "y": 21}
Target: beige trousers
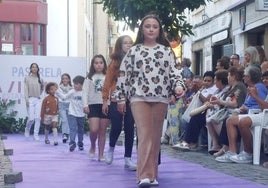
{"x": 149, "y": 118}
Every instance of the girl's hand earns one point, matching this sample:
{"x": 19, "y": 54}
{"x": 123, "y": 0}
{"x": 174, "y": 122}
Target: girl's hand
{"x": 86, "y": 110}
{"x": 121, "y": 108}
{"x": 105, "y": 108}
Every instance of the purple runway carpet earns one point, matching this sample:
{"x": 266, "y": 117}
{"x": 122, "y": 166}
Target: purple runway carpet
{"x": 49, "y": 166}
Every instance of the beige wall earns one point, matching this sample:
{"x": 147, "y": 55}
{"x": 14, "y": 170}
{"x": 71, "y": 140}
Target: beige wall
{"x": 81, "y": 29}
{"x": 100, "y": 30}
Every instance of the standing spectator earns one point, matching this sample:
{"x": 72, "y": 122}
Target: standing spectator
{"x": 122, "y": 45}
{"x": 76, "y": 114}
{"x": 251, "y": 57}
{"x": 147, "y": 76}
{"x": 225, "y": 62}
{"x": 185, "y": 65}
{"x": 235, "y": 60}
{"x": 222, "y": 64}
{"x": 33, "y": 88}
{"x": 263, "y": 59}
{"x": 64, "y": 87}
{"x": 92, "y": 103}
{"x": 50, "y": 111}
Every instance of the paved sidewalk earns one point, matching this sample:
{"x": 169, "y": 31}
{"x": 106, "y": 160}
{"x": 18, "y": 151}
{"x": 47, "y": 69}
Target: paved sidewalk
{"x": 255, "y": 173}
{"x": 5, "y": 166}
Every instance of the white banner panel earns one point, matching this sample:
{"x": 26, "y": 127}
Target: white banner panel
{"x": 14, "y": 68}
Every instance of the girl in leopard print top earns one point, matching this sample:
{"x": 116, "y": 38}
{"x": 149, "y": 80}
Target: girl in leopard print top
{"x": 147, "y": 77}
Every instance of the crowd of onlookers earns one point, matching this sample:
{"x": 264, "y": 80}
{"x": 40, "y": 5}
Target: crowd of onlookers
{"x": 217, "y": 104}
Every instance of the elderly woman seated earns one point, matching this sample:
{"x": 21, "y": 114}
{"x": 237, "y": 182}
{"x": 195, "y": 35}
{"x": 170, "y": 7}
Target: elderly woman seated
{"x": 241, "y": 123}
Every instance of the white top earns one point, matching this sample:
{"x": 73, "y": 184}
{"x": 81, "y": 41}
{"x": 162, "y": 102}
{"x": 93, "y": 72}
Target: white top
{"x": 92, "y": 90}
{"x": 63, "y": 90}
{"x": 76, "y": 105}
{"x": 209, "y": 91}
{"x": 32, "y": 88}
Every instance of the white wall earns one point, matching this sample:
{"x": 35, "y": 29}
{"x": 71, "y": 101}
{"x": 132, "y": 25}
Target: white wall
{"x": 57, "y": 28}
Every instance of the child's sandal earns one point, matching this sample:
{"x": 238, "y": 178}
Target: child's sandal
{"x": 47, "y": 141}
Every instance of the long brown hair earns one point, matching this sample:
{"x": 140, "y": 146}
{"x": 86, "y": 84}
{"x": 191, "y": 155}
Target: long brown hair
{"x": 161, "y": 39}
{"x": 118, "y": 53}
{"x": 92, "y": 71}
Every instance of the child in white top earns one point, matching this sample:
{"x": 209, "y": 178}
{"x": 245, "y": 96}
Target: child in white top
{"x": 76, "y": 116}
{"x": 92, "y": 103}
{"x": 64, "y": 87}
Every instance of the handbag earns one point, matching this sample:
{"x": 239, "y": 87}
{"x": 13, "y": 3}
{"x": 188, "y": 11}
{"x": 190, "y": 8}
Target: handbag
{"x": 195, "y": 103}
{"x": 218, "y": 116}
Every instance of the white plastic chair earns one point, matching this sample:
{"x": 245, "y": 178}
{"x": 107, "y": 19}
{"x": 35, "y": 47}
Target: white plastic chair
{"x": 256, "y": 132}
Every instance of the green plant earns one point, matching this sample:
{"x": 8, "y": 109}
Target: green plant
{"x": 171, "y": 13}
{"x": 7, "y": 115}
{"x": 8, "y": 121}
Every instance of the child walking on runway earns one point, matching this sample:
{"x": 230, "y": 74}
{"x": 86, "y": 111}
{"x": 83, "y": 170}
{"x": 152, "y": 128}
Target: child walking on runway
{"x": 92, "y": 103}
{"x": 64, "y": 87}
{"x": 49, "y": 112}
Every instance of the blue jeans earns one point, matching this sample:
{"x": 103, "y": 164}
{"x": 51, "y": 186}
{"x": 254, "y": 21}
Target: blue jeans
{"x": 63, "y": 111}
{"x": 116, "y": 127}
{"x": 76, "y": 125}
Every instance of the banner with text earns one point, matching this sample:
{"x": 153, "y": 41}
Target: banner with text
{"x": 14, "y": 68}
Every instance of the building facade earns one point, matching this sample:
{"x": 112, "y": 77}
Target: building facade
{"x": 23, "y": 27}
{"x": 223, "y": 28}
{"x": 77, "y": 28}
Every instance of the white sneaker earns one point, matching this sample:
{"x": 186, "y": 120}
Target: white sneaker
{"x": 154, "y": 182}
{"x": 109, "y": 156}
{"x": 225, "y": 158}
{"x": 242, "y": 157}
{"x": 36, "y": 138}
{"x": 144, "y": 183}
{"x": 129, "y": 164}
{"x": 27, "y": 133}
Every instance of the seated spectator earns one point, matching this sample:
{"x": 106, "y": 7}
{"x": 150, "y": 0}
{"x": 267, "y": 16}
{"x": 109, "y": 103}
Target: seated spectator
{"x": 252, "y": 77}
{"x": 198, "y": 121}
{"x": 233, "y": 98}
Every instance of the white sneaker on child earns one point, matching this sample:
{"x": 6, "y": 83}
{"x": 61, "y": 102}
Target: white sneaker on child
{"x": 27, "y": 133}
{"x": 36, "y": 138}
{"x": 129, "y": 164}
{"x": 109, "y": 156}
